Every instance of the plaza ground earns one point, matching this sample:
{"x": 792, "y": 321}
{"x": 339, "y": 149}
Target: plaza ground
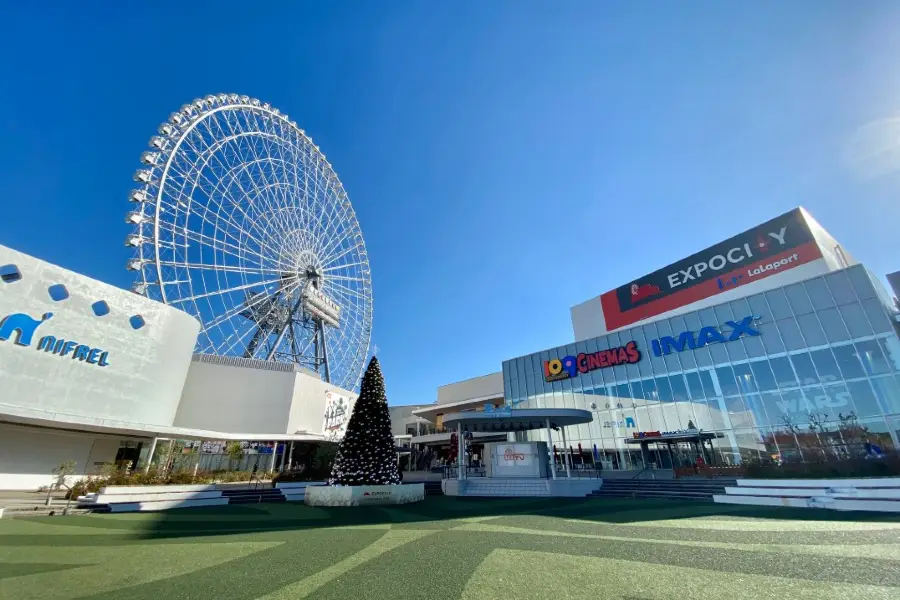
{"x": 452, "y": 548}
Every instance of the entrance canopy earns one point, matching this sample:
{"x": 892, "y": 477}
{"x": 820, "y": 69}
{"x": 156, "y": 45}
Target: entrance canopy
{"x": 503, "y": 419}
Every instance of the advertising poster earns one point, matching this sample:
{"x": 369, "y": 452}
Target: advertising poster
{"x": 337, "y": 415}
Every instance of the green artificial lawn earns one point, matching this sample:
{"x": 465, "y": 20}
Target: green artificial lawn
{"x": 456, "y": 548}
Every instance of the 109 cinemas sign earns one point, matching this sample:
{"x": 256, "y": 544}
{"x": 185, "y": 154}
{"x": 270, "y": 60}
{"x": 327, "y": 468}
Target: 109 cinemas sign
{"x": 570, "y": 366}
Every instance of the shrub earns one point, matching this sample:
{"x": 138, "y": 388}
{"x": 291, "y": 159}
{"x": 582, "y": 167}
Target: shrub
{"x": 832, "y": 469}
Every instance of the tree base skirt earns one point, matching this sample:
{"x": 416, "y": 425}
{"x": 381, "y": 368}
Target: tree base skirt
{"x": 364, "y": 495}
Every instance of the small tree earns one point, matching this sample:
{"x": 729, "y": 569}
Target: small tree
{"x": 366, "y": 454}
{"x": 234, "y": 452}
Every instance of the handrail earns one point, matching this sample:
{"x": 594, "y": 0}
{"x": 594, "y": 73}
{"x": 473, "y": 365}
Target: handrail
{"x": 641, "y": 472}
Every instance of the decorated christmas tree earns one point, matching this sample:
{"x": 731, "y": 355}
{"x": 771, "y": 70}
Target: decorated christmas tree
{"x": 366, "y": 454}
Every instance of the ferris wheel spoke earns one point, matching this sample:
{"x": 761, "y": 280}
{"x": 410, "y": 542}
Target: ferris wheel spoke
{"x": 340, "y": 238}
{"x": 228, "y": 291}
{"x": 346, "y": 266}
{"x": 226, "y": 268}
{"x": 218, "y": 187}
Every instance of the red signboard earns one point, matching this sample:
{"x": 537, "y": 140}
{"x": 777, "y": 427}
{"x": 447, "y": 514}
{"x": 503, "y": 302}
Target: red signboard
{"x": 773, "y": 247}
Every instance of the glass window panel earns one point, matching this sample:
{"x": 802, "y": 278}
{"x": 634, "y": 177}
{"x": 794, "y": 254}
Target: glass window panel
{"x": 677, "y": 324}
{"x": 879, "y": 435}
{"x": 708, "y": 317}
{"x": 708, "y": 385}
{"x": 873, "y": 360}
{"x": 679, "y": 389}
{"x": 755, "y": 416}
{"x": 840, "y": 287}
{"x": 663, "y": 389}
{"x": 861, "y": 282}
{"x": 716, "y": 413}
{"x": 790, "y": 334}
{"x": 687, "y": 360}
{"x": 863, "y": 398}
{"x": 695, "y": 387}
{"x": 686, "y": 414}
{"x": 630, "y": 371}
{"x": 782, "y": 372}
{"x": 759, "y": 307}
{"x": 805, "y": 369}
{"x": 744, "y": 378}
{"x": 798, "y": 299}
{"x": 891, "y": 348}
{"x": 848, "y": 361}
{"x": 650, "y": 392}
{"x": 811, "y": 330}
{"x": 657, "y": 363}
{"x": 692, "y": 322}
{"x": 855, "y": 319}
{"x": 753, "y": 346}
{"x": 762, "y": 374}
{"x": 736, "y": 410}
{"x": 672, "y": 361}
{"x": 736, "y": 350}
{"x": 825, "y": 365}
{"x": 877, "y": 315}
{"x": 701, "y": 414}
{"x": 727, "y": 381}
{"x": 717, "y": 351}
{"x": 818, "y": 293}
{"x": 774, "y": 408}
{"x": 663, "y": 327}
{"x": 826, "y": 403}
{"x": 888, "y": 393}
{"x": 723, "y": 313}
{"x": 702, "y": 357}
{"x": 778, "y": 304}
{"x": 622, "y": 391}
{"x": 794, "y": 406}
{"x": 741, "y": 308}
{"x": 834, "y": 325}
{"x": 769, "y": 337}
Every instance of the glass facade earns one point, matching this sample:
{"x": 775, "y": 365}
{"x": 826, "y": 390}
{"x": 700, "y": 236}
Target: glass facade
{"x": 822, "y": 377}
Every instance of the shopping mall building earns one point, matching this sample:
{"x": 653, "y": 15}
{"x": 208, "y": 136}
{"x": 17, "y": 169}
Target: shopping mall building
{"x": 774, "y": 344}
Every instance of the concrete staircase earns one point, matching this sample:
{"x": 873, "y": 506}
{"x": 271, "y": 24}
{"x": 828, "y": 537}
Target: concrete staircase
{"x": 433, "y": 488}
{"x": 667, "y": 489}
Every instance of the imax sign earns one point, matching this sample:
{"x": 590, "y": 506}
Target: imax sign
{"x": 708, "y": 335}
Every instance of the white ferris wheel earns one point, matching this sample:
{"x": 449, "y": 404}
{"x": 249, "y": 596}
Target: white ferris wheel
{"x": 241, "y": 222}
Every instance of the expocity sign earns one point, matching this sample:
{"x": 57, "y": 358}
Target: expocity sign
{"x": 776, "y": 246}
{"x": 708, "y": 335}
{"x": 21, "y": 328}
{"x": 570, "y": 366}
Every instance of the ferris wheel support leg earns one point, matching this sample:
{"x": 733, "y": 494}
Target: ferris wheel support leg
{"x": 325, "y": 353}
{"x": 284, "y": 328}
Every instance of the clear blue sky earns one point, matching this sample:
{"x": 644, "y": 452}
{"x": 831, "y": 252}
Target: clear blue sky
{"x": 506, "y": 159}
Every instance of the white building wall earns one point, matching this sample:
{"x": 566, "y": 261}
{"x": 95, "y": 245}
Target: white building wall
{"x": 486, "y": 386}
{"x": 28, "y": 455}
{"x": 236, "y": 399}
{"x": 142, "y": 382}
{"x": 242, "y": 399}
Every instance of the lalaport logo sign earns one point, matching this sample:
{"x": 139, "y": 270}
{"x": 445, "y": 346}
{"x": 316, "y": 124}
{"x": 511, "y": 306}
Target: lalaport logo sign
{"x": 22, "y": 327}
{"x": 775, "y": 246}
{"x": 570, "y": 366}
{"x": 730, "y": 332}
